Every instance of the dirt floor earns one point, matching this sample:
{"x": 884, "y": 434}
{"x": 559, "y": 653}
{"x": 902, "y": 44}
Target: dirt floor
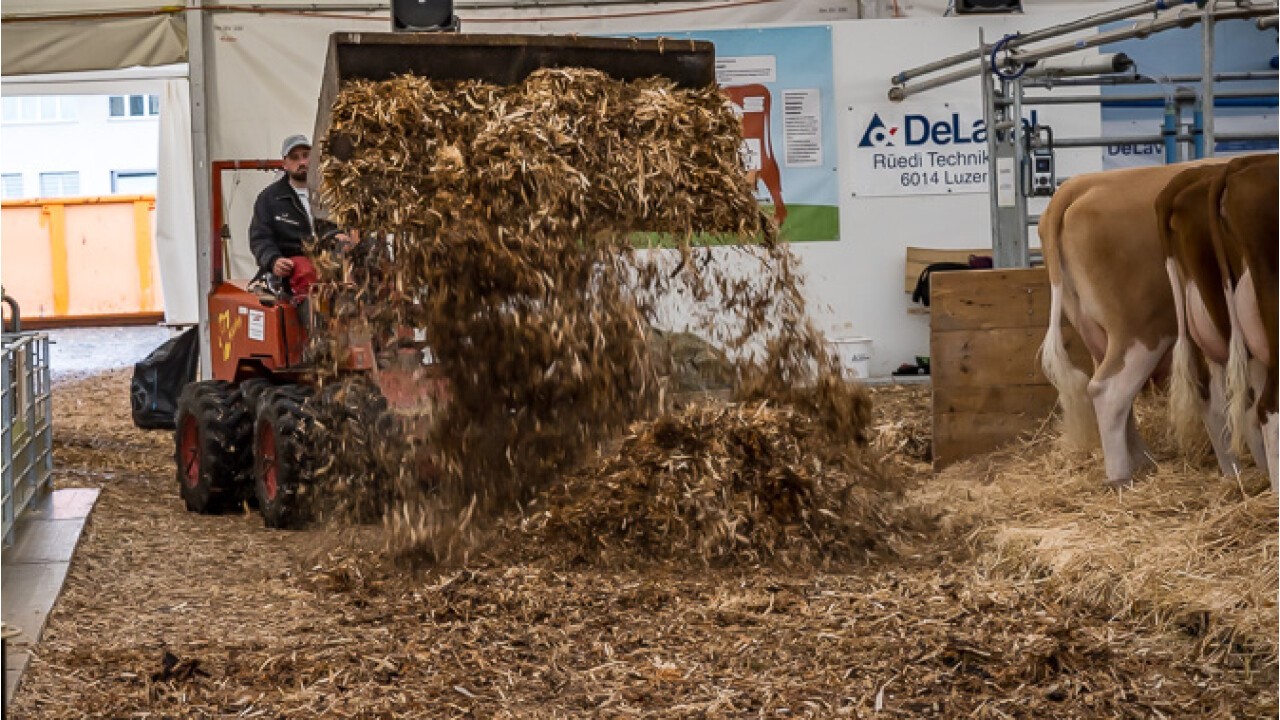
{"x": 1004, "y": 609}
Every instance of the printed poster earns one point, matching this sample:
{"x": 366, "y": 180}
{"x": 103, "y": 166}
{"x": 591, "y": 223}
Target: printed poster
{"x": 780, "y": 82}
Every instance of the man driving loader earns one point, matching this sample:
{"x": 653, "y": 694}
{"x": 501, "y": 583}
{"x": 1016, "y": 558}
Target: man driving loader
{"x": 283, "y": 223}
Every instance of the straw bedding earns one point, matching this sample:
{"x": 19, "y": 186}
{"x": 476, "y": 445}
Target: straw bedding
{"x": 785, "y": 553}
{"x": 962, "y": 622}
{"x": 1184, "y": 550}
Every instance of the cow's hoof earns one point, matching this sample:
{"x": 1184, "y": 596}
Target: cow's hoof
{"x": 1120, "y": 484}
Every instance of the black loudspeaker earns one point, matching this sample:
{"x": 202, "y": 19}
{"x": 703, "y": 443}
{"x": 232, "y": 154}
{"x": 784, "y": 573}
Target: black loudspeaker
{"x": 423, "y": 15}
{"x": 975, "y": 7}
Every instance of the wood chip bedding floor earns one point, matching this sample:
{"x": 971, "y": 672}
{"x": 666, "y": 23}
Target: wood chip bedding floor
{"x": 168, "y": 614}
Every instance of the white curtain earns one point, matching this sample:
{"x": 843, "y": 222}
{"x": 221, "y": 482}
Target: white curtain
{"x": 175, "y": 235}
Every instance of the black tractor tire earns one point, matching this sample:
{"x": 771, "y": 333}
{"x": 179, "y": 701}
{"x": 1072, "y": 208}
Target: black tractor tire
{"x": 280, "y": 470}
{"x": 212, "y": 445}
{"x": 356, "y": 423}
{"x": 252, "y": 390}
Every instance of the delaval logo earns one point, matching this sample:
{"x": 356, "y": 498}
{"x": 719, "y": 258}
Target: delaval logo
{"x": 877, "y": 134}
{"x": 918, "y": 129}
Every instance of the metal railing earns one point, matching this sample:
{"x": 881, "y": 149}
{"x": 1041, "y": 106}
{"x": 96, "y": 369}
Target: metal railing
{"x": 1024, "y": 60}
{"x": 26, "y": 423}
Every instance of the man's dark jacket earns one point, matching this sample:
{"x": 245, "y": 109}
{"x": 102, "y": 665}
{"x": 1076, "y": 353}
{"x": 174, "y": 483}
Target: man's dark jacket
{"x": 279, "y": 226}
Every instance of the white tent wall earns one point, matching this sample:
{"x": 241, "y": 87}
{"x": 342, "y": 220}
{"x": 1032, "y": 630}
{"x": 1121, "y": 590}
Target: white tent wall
{"x": 860, "y": 278}
{"x": 265, "y": 72}
{"x": 29, "y": 46}
{"x": 28, "y": 8}
{"x": 262, "y": 72}
{"x": 175, "y": 207}
{"x": 175, "y": 244}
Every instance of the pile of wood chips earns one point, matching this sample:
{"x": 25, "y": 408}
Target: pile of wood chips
{"x": 1150, "y": 603}
{"x": 519, "y": 226}
{"x": 724, "y": 484}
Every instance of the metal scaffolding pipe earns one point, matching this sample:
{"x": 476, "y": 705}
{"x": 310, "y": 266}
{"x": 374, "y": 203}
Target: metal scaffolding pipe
{"x": 1268, "y": 23}
{"x": 1139, "y": 29}
{"x": 1089, "y": 142}
{"x": 1184, "y": 94}
{"x": 899, "y": 92}
{"x": 1101, "y": 64}
{"x": 1206, "y": 80}
{"x": 1050, "y": 32}
{"x": 1037, "y": 82}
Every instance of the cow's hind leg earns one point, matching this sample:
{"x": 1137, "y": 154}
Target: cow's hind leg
{"x": 1254, "y": 435}
{"x": 1114, "y": 387}
{"x": 1265, "y": 413}
{"x": 1215, "y": 421}
{"x": 1269, "y": 431}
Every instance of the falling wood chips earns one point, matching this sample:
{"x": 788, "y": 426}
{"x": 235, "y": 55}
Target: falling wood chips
{"x": 516, "y": 225}
{"x": 1039, "y": 595}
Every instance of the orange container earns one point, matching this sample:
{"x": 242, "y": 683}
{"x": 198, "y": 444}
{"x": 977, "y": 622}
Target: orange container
{"x": 91, "y": 258}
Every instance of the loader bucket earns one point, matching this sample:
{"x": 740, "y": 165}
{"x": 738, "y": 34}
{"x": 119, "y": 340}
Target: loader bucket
{"x": 413, "y": 391}
{"x": 499, "y": 59}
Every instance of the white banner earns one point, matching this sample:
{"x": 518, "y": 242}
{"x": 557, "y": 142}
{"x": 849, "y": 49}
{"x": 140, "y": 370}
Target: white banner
{"x": 1121, "y": 154}
{"x": 919, "y": 149}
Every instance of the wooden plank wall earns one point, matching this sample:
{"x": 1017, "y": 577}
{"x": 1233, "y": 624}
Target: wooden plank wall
{"x": 986, "y": 330}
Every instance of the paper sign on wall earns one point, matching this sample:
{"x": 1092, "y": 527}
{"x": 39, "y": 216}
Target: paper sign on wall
{"x": 802, "y": 127}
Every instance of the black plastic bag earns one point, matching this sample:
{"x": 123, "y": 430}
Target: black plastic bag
{"x": 921, "y": 293}
{"x": 158, "y": 381}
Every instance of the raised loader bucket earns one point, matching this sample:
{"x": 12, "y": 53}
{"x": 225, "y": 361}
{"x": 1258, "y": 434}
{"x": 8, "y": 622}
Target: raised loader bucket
{"x": 414, "y": 390}
{"x": 499, "y": 59}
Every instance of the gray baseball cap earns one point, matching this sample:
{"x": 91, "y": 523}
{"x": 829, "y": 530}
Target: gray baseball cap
{"x": 292, "y": 142}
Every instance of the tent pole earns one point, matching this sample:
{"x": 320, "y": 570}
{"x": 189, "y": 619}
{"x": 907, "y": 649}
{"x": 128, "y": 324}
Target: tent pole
{"x": 1206, "y": 82}
{"x": 201, "y": 182}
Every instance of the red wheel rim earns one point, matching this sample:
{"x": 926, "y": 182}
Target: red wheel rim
{"x": 267, "y": 460}
{"x": 189, "y": 450}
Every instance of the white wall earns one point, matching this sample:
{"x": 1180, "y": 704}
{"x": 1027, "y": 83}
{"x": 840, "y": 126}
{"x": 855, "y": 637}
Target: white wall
{"x": 856, "y": 284}
{"x": 94, "y": 145}
{"x": 262, "y": 89}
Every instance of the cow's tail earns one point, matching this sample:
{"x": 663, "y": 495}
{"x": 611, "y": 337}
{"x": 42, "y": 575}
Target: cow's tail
{"x": 1237, "y": 391}
{"x": 1186, "y": 398}
{"x": 1080, "y": 424}
{"x": 1238, "y": 395}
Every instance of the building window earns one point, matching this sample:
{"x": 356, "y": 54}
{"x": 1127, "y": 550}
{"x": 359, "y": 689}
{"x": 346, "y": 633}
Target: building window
{"x": 42, "y": 109}
{"x": 11, "y": 185}
{"x": 59, "y": 184}
{"x": 133, "y": 182}
{"x": 122, "y": 106}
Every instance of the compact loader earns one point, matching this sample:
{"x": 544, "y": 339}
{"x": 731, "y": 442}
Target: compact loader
{"x": 241, "y": 435}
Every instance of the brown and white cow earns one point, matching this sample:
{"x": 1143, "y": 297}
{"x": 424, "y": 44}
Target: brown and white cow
{"x": 1106, "y": 268}
{"x": 1245, "y": 242}
{"x": 1198, "y": 385}
{"x": 1200, "y": 354}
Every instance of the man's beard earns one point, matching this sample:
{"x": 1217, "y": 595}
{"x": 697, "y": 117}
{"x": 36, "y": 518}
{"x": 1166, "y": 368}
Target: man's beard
{"x": 299, "y": 175}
